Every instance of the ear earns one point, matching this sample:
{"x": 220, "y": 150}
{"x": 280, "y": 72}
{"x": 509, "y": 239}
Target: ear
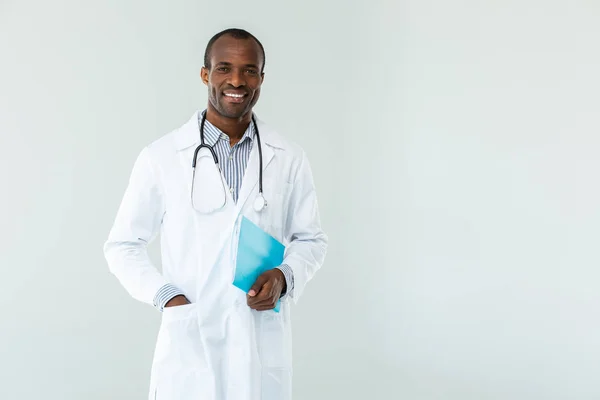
{"x": 262, "y": 77}
{"x": 204, "y": 75}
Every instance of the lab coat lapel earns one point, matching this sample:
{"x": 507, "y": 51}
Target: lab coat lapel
{"x": 251, "y": 176}
{"x": 186, "y": 139}
{"x": 188, "y": 134}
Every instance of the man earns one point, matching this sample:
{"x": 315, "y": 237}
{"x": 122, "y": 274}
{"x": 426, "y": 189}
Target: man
{"x": 216, "y": 341}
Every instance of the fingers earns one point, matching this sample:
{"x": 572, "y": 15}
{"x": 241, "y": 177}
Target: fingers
{"x": 264, "y": 308}
{"x": 265, "y": 292}
{"x": 268, "y": 302}
{"x": 264, "y": 300}
{"x": 263, "y": 295}
{"x": 256, "y": 288}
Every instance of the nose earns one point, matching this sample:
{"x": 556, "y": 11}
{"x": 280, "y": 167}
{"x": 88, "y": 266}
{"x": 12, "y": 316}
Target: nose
{"x": 236, "y": 78}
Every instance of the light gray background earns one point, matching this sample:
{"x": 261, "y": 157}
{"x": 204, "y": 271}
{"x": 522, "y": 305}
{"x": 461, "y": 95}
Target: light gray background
{"x": 455, "y": 148}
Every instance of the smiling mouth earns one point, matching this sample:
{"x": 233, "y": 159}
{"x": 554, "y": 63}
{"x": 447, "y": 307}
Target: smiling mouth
{"x": 235, "y": 97}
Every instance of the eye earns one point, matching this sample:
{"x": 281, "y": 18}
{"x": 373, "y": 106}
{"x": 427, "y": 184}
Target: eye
{"x": 252, "y": 71}
{"x": 222, "y": 69}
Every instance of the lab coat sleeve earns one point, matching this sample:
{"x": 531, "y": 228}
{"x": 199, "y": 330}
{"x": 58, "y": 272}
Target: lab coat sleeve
{"x": 307, "y": 241}
{"x": 137, "y": 223}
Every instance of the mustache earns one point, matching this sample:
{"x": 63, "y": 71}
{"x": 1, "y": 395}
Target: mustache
{"x": 237, "y": 89}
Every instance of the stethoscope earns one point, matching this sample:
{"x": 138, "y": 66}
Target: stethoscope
{"x": 259, "y": 202}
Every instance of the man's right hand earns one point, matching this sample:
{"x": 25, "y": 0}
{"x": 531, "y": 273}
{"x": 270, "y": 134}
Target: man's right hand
{"x": 177, "y": 301}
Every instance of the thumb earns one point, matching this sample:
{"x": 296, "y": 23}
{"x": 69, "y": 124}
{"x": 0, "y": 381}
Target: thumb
{"x": 258, "y": 284}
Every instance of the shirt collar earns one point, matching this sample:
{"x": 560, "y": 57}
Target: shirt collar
{"x": 212, "y": 134}
{"x": 187, "y": 135}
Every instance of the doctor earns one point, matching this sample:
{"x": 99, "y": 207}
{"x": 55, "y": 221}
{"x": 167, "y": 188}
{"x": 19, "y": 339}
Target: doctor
{"x": 216, "y": 342}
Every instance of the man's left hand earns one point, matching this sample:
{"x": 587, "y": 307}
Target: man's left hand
{"x": 266, "y": 291}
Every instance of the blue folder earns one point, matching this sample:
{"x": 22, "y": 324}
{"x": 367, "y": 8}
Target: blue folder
{"x": 257, "y": 252}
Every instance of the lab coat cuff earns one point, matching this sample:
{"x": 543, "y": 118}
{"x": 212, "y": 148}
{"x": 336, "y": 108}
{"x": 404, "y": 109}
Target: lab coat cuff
{"x": 164, "y": 294}
{"x": 289, "y": 278}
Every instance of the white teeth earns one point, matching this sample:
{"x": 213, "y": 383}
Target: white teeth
{"x": 234, "y": 95}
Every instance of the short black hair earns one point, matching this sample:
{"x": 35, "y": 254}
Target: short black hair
{"x": 236, "y": 33}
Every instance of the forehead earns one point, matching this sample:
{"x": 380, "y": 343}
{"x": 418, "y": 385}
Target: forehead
{"x": 235, "y": 51}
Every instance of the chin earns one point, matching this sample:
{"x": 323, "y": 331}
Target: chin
{"x": 233, "y": 113}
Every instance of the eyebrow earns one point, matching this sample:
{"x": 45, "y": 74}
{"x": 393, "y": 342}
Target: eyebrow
{"x": 228, "y": 64}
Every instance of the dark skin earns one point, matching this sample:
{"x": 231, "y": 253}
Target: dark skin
{"x": 234, "y": 78}
{"x": 235, "y": 70}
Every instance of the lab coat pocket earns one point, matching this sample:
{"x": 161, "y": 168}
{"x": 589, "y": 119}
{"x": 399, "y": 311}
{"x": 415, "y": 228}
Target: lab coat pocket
{"x": 272, "y": 348}
{"x": 276, "y": 384}
{"x": 179, "y": 312}
{"x": 180, "y": 366}
{"x": 277, "y": 209}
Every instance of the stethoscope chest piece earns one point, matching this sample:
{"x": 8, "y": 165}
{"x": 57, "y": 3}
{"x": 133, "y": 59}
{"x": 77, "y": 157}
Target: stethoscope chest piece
{"x": 259, "y": 203}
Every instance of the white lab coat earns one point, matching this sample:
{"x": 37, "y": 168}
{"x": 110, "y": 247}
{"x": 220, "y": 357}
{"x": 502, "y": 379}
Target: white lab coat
{"x": 215, "y": 348}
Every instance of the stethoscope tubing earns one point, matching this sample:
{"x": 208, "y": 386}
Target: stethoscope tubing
{"x": 212, "y": 151}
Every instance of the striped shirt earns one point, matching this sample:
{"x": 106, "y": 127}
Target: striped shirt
{"x": 233, "y": 162}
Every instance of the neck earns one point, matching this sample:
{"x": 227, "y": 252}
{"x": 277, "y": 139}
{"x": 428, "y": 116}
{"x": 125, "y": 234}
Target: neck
{"x": 232, "y": 127}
